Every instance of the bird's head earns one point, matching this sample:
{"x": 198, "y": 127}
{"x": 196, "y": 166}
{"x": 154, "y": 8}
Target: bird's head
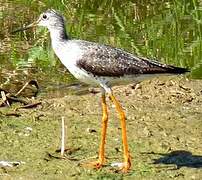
{"x": 50, "y": 19}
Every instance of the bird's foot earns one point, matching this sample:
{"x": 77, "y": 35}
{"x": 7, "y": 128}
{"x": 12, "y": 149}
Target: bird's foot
{"x": 127, "y": 164}
{"x": 93, "y": 164}
{"x": 124, "y": 167}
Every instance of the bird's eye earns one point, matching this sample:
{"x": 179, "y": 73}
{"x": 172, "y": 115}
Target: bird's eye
{"x": 44, "y": 16}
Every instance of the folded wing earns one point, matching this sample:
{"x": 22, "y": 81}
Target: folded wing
{"x": 104, "y": 60}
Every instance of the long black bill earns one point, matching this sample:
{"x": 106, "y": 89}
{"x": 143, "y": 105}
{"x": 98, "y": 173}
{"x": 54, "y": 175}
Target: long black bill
{"x": 34, "y": 24}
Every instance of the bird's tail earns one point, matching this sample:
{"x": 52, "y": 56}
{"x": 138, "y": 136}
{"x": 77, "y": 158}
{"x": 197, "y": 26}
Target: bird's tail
{"x": 177, "y": 70}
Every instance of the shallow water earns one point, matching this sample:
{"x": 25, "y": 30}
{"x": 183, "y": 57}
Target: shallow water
{"x": 168, "y": 31}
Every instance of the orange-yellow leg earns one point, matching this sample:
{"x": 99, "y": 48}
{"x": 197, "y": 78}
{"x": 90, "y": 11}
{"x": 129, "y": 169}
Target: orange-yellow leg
{"x": 101, "y": 157}
{"x": 127, "y": 157}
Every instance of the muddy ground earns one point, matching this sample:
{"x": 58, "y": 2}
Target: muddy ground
{"x": 164, "y": 124}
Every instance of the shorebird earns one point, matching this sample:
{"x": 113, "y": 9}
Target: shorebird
{"x": 103, "y": 66}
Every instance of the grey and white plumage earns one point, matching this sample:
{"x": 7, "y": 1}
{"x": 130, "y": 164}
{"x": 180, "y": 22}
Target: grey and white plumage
{"x": 94, "y": 63}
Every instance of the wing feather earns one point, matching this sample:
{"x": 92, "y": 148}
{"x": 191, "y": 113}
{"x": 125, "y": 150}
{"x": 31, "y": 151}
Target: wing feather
{"x": 104, "y": 60}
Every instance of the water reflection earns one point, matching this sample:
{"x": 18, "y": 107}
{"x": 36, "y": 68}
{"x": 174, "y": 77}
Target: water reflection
{"x": 169, "y": 31}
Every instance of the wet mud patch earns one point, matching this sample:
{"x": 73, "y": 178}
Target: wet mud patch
{"x": 164, "y": 124}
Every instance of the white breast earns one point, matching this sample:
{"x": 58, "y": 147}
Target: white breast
{"x": 69, "y": 53}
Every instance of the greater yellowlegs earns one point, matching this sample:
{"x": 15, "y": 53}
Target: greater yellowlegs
{"x": 104, "y": 66}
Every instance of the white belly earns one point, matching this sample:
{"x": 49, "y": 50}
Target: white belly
{"x": 82, "y": 75}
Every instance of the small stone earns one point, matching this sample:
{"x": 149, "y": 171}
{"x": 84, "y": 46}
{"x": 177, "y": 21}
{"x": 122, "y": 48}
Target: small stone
{"x": 89, "y": 130}
{"x": 28, "y": 129}
{"x": 117, "y": 164}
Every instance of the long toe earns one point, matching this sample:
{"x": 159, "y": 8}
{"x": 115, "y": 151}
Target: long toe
{"x": 93, "y": 164}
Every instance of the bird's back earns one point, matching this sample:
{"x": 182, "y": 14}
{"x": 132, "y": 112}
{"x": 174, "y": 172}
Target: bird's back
{"x": 103, "y": 60}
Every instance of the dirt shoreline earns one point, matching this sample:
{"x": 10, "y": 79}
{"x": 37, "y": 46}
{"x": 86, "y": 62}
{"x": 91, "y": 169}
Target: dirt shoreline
{"x": 164, "y": 124}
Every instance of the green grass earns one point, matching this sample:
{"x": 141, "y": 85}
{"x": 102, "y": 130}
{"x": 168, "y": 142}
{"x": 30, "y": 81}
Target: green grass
{"x": 169, "y": 31}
